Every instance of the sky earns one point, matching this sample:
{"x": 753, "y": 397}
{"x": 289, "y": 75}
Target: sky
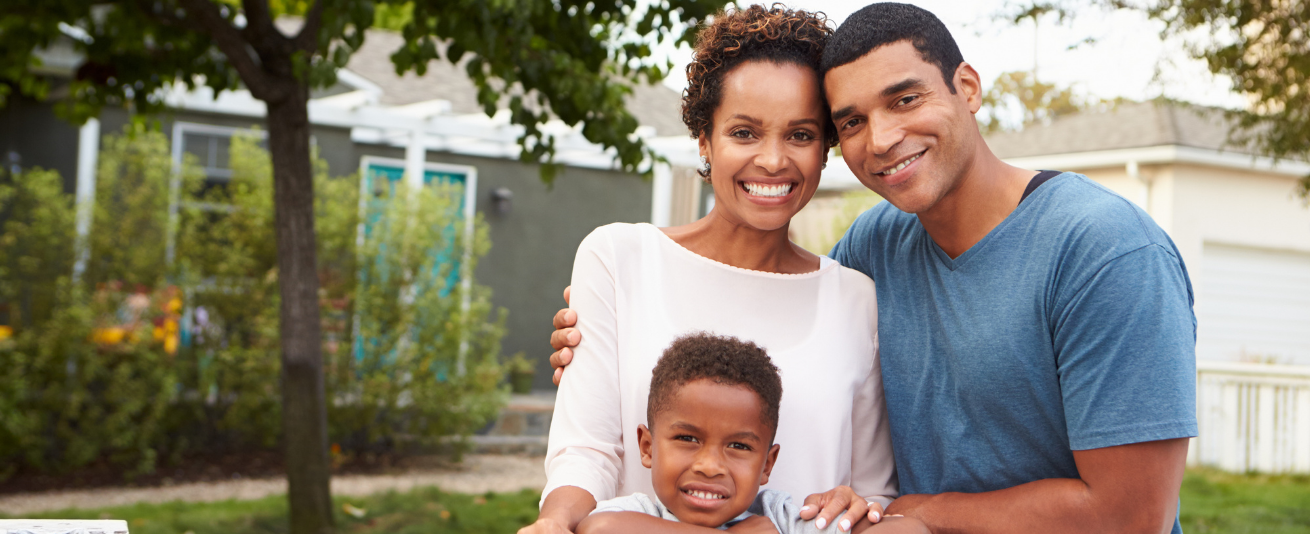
{"x": 1128, "y": 58}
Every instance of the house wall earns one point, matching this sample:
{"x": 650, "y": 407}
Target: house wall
{"x": 30, "y": 128}
{"x": 532, "y": 246}
{"x": 334, "y": 144}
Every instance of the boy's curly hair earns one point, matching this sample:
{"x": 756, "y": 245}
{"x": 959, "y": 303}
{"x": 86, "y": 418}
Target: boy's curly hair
{"x": 776, "y": 34}
{"x": 725, "y": 360}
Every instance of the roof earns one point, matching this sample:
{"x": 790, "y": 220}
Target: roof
{"x": 1131, "y": 125}
{"x": 656, "y": 106}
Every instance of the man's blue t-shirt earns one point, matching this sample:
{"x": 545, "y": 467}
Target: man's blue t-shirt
{"x": 1068, "y": 327}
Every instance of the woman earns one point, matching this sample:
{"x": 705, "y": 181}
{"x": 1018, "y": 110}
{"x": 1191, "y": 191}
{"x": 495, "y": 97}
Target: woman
{"x": 755, "y": 106}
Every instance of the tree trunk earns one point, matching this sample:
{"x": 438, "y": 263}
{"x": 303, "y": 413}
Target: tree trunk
{"x": 304, "y": 408}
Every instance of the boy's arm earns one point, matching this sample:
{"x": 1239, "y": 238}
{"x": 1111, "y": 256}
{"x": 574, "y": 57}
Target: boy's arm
{"x": 639, "y": 523}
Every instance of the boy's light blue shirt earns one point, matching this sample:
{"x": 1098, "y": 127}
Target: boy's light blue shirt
{"x": 1068, "y": 327}
{"x": 773, "y": 504}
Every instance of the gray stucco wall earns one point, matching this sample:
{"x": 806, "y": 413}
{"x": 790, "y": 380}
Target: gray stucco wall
{"x": 30, "y": 128}
{"x": 532, "y": 246}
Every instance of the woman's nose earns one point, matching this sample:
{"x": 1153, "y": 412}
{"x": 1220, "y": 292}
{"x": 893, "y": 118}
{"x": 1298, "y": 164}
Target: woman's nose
{"x": 772, "y": 157}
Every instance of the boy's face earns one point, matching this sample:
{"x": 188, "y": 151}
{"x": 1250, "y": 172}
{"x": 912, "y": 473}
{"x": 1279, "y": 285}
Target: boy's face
{"x": 709, "y": 452}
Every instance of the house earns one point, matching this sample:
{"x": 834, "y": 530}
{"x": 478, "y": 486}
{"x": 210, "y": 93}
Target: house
{"x": 385, "y": 126}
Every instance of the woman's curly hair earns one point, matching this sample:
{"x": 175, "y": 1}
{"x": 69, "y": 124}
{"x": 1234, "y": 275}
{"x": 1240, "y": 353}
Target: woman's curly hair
{"x": 776, "y": 34}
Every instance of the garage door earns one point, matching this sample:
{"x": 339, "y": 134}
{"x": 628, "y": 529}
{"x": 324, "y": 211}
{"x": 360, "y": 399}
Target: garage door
{"x": 1253, "y": 305}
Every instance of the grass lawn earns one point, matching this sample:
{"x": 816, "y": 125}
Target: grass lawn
{"x": 1213, "y": 502}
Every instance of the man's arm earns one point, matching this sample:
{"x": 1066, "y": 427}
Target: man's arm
{"x": 1123, "y": 489}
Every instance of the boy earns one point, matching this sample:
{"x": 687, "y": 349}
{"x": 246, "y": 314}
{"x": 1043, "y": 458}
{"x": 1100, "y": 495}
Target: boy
{"x": 712, "y": 414}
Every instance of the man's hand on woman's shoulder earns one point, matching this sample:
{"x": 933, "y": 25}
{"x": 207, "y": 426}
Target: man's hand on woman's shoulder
{"x": 564, "y": 338}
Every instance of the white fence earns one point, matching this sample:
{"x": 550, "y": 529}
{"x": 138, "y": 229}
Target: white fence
{"x": 1252, "y": 417}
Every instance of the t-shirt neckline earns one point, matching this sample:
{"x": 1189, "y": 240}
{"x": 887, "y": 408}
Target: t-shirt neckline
{"x": 955, "y": 263}
{"x": 825, "y": 263}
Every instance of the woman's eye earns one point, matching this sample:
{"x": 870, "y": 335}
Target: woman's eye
{"x": 803, "y": 136}
{"x": 741, "y": 134}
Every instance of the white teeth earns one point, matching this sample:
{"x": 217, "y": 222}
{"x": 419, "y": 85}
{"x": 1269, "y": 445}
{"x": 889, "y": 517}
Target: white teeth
{"x": 705, "y": 495}
{"x": 893, "y": 170}
{"x": 766, "y": 190}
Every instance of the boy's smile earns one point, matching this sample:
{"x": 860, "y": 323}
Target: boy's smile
{"x": 709, "y": 450}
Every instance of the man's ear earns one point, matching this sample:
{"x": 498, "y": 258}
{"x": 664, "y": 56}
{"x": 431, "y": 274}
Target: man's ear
{"x": 769, "y": 460}
{"x": 969, "y": 84}
{"x": 644, "y": 443}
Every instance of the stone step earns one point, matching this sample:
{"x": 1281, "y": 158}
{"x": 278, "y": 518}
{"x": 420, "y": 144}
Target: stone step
{"x": 525, "y": 416}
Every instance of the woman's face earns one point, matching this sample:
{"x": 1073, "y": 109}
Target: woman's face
{"x": 765, "y": 147}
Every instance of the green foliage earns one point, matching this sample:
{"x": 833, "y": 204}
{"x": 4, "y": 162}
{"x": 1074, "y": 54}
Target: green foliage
{"x": 1264, "y": 47}
{"x": 132, "y": 190}
{"x": 36, "y": 244}
{"x": 424, "y": 510}
{"x": 90, "y": 376}
{"x": 1019, "y": 94}
{"x": 426, "y": 343}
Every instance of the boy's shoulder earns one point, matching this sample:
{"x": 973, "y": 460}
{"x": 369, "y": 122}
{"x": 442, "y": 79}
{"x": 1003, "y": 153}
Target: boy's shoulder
{"x": 637, "y": 502}
{"x": 786, "y": 516}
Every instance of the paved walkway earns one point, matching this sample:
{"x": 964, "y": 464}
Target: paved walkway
{"x": 478, "y": 474}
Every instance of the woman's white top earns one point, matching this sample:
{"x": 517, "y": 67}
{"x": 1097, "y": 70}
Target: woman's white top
{"x": 635, "y": 290}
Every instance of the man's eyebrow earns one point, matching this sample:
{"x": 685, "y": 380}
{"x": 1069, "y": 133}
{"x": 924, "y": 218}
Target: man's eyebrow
{"x": 908, "y": 83}
{"x": 838, "y": 115}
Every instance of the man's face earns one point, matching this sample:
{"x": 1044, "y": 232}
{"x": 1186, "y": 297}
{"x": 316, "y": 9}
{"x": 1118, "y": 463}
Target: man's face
{"x": 708, "y": 452}
{"x": 903, "y": 133}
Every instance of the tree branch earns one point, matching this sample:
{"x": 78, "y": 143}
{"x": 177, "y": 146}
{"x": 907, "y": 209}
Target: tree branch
{"x": 307, "y": 39}
{"x": 203, "y": 16}
{"x": 260, "y": 31}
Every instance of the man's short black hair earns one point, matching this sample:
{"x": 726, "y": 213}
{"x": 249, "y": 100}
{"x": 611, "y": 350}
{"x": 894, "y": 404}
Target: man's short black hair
{"x": 725, "y": 360}
{"x": 885, "y": 23}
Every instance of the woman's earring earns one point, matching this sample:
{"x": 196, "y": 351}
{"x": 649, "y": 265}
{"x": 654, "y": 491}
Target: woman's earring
{"x": 704, "y": 170}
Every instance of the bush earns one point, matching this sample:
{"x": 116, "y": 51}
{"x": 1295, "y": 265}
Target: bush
{"x": 99, "y": 369}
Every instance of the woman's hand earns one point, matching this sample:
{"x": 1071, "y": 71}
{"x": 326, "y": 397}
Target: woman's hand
{"x": 756, "y": 524}
{"x": 564, "y": 338}
{"x": 826, "y": 506}
{"x": 545, "y": 525}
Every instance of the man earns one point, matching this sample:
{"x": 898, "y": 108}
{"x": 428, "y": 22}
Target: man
{"x": 1036, "y": 331}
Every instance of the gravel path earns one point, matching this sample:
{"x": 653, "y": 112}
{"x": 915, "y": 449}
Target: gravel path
{"x": 478, "y": 474}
